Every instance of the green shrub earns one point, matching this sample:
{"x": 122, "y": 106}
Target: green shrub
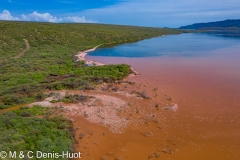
{"x": 10, "y": 100}
{"x": 20, "y": 131}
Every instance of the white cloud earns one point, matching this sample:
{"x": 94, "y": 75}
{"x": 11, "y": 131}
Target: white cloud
{"x": 6, "y": 15}
{"x": 44, "y": 17}
{"x": 76, "y": 19}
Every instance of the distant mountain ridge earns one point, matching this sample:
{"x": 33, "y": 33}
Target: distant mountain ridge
{"x": 214, "y": 25}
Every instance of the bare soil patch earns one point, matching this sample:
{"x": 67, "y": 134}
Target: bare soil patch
{"x": 25, "y": 50}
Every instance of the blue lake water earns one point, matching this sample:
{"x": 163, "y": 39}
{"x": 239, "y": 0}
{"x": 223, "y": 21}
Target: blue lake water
{"x": 187, "y": 45}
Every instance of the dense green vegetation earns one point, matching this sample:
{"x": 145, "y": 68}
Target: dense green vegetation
{"x": 21, "y": 130}
{"x": 50, "y": 63}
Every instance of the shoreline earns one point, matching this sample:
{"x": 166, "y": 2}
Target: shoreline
{"x": 81, "y": 57}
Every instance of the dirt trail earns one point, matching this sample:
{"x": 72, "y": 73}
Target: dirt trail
{"x": 25, "y": 50}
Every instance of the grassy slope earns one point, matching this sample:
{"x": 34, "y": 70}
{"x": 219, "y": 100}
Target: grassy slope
{"x": 49, "y": 64}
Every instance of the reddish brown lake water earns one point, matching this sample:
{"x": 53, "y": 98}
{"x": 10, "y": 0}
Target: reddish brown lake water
{"x": 205, "y": 84}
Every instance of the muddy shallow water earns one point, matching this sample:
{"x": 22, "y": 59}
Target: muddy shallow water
{"x": 207, "y": 122}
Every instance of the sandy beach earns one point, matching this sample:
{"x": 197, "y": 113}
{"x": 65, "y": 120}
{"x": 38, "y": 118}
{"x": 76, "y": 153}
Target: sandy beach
{"x": 81, "y": 57}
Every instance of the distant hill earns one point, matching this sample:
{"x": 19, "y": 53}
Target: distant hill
{"x": 227, "y": 24}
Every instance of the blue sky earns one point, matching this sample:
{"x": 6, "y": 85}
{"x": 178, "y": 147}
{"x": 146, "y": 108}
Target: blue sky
{"x": 155, "y": 13}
